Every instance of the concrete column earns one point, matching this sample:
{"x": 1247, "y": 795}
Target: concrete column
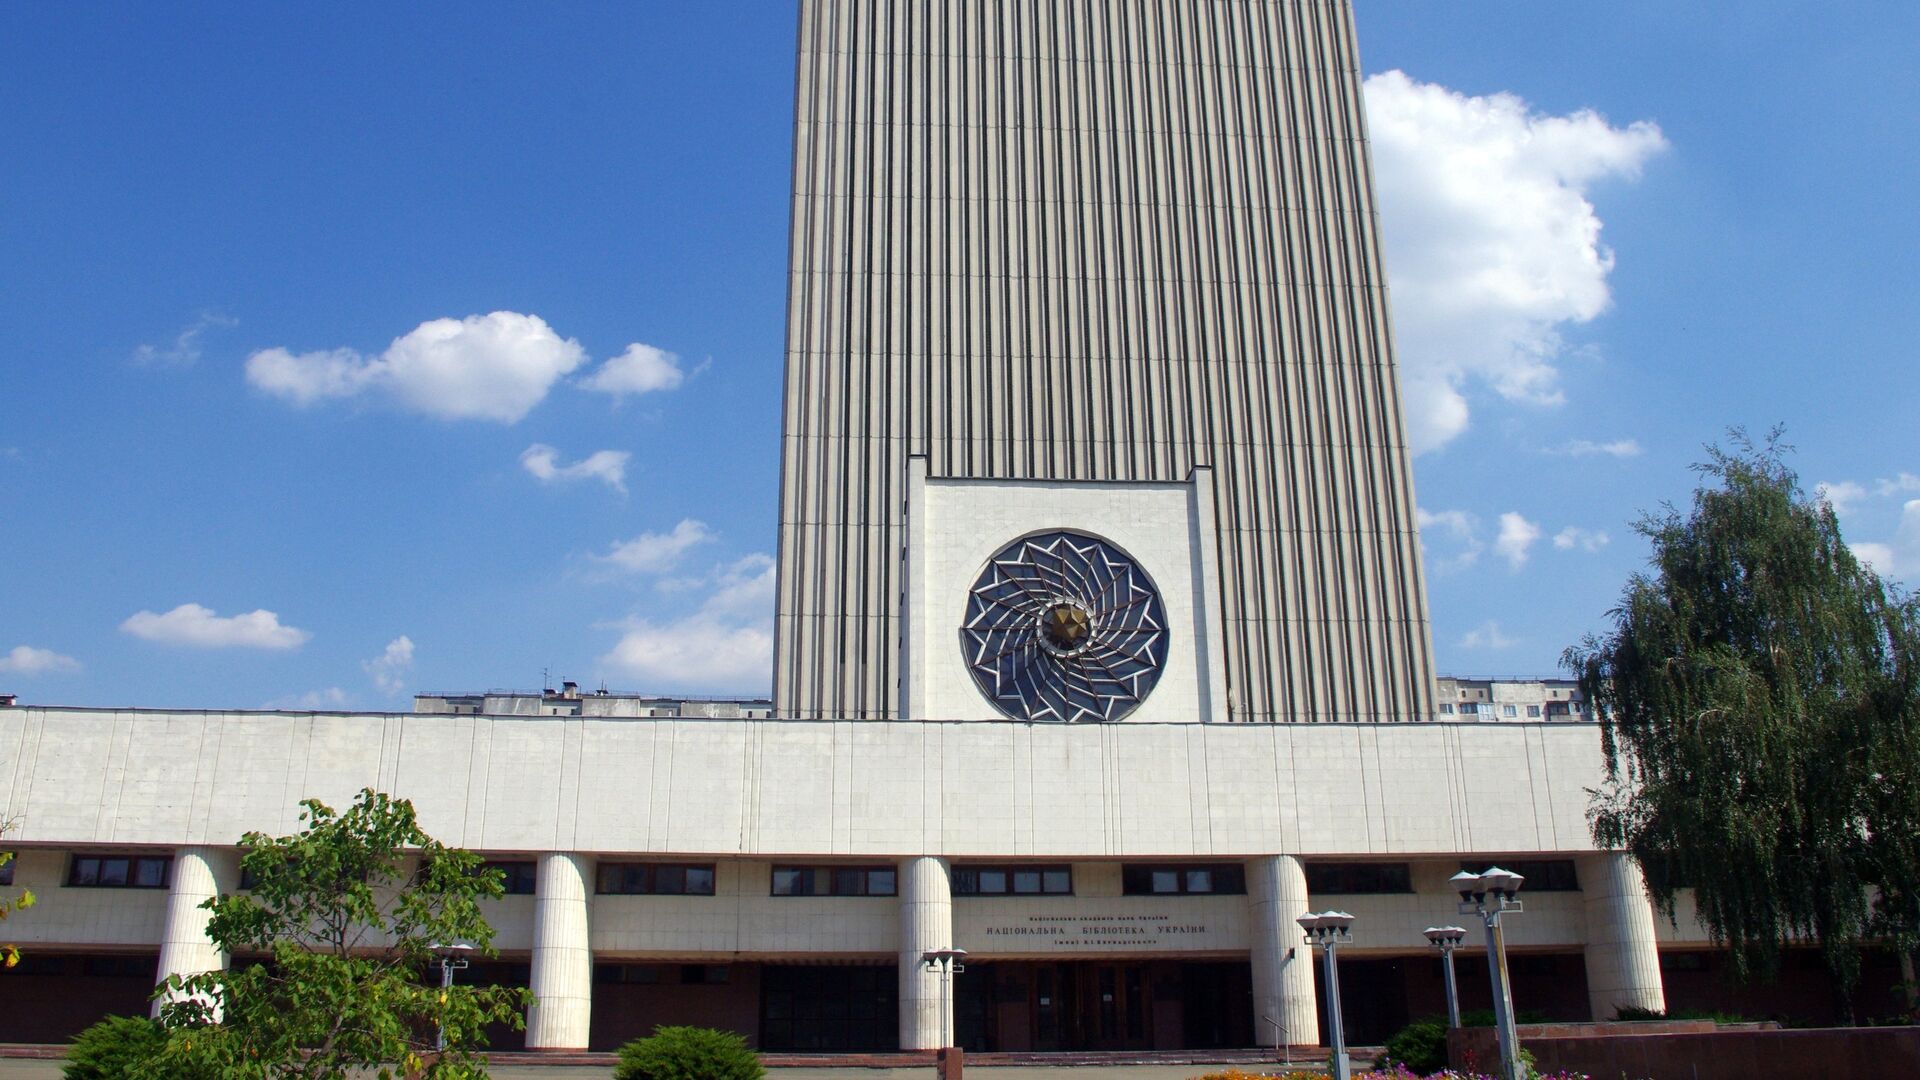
{"x": 1623, "y": 957}
{"x": 926, "y": 922}
{"x": 1284, "y": 1005}
{"x": 197, "y": 876}
{"x": 562, "y": 982}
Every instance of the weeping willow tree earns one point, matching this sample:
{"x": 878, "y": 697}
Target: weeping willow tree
{"x": 1761, "y": 724}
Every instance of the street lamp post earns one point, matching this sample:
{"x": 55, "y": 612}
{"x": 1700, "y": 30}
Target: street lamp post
{"x": 948, "y": 963}
{"x": 1490, "y": 895}
{"x": 452, "y": 958}
{"x": 1447, "y": 939}
{"x": 1329, "y": 930}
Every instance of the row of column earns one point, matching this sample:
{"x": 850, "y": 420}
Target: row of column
{"x": 1622, "y": 959}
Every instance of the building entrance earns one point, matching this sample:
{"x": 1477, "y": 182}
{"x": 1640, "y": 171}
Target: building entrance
{"x": 1103, "y": 1005}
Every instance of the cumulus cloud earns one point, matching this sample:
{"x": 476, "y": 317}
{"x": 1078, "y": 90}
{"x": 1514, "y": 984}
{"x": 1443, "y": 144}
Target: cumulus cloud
{"x": 1450, "y": 538}
{"x": 185, "y": 350}
{"x": 1517, "y": 535}
{"x": 608, "y": 466}
{"x": 1486, "y": 636}
{"x": 1899, "y": 557}
{"x": 1904, "y": 484}
{"x": 1492, "y": 244}
{"x": 28, "y": 660}
{"x": 641, "y": 369}
{"x": 198, "y": 627}
{"x": 483, "y": 367}
{"x": 655, "y": 553}
{"x": 1842, "y": 495}
{"x": 389, "y": 670}
{"x": 1573, "y": 536}
{"x": 727, "y": 644}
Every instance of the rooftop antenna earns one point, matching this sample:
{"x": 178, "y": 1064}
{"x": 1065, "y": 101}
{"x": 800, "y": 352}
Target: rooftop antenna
{"x": 546, "y": 679}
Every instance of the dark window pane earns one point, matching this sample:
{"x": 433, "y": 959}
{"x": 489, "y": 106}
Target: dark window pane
{"x": 1230, "y": 879}
{"x": 700, "y": 880}
{"x": 966, "y": 882}
{"x": 85, "y": 872}
{"x": 1026, "y": 881}
{"x": 113, "y": 872}
{"x": 1199, "y": 881}
{"x": 150, "y": 873}
{"x": 670, "y": 880}
{"x": 993, "y": 882}
{"x": 880, "y": 883}
{"x": 1166, "y": 881}
{"x": 790, "y": 883}
{"x": 1136, "y": 880}
{"x": 848, "y": 882}
{"x": 1058, "y": 881}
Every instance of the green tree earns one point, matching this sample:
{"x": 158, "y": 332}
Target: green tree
{"x": 349, "y": 920}
{"x": 1758, "y": 695}
{"x": 20, "y": 901}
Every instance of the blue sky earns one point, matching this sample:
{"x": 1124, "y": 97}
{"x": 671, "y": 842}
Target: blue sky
{"x": 249, "y": 261}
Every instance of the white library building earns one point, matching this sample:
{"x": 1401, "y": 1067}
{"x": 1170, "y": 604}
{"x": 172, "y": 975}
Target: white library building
{"x": 1102, "y": 646}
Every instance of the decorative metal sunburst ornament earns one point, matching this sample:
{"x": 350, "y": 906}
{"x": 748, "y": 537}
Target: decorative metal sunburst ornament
{"x": 1064, "y": 626}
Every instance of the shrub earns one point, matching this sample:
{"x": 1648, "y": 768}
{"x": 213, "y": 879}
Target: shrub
{"x": 107, "y": 1049}
{"x": 1421, "y": 1046}
{"x": 688, "y": 1053}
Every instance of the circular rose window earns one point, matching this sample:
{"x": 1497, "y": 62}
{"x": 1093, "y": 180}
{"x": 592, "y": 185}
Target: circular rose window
{"x": 1064, "y": 626}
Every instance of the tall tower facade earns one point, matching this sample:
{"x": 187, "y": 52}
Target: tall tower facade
{"x": 1090, "y": 395}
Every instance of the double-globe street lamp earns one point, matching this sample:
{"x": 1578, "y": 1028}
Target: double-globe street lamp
{"x": 1447, "y": 939}
{"x": 1491, "y": 894}
{"x": 1327, "y": 931}
{"x": 451, "y": 958}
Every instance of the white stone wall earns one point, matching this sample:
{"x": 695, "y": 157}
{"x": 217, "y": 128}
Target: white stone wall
{"x": 1166, "y": 528}
{"x": 76, "y": 777}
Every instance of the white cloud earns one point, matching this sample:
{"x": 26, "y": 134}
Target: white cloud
{"x": 1517, "y": 534}
{"x": 1620, "y": 448}
{"x": 1898, "y": 558}
{"x": 656, "y": 553}
{"x": 328, "y": 700}
{"x": 1573, "y": 536}
{"x": 1904, "y": 484}
{"x": 727, "y": 644}
{"x": 27, "y": 660}
{"x": 639, "y": 370}
{"x": 1486, "y": 636}
{"x": 389, "y": 669}
{"x": 609, "y": 466}
{"x": 1492, "y": 245}
{"x": 483, "y": 367}
{"x": 185, "y": 350}
{"x": 1842, "y": 495}
{"x": 1450, "y": 538}
{"x": 198, "y": 627}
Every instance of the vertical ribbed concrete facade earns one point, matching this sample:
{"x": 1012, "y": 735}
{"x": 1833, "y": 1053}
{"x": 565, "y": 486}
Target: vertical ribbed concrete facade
{"x": 1107, "y": 240}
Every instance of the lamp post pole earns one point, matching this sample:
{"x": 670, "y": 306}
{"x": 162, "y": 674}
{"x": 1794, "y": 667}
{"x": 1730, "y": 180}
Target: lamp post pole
{"x": 1329, "y": 930}
{"x": 948, "y": 963}
{"x": 1490, "y": 895}
{"x": 1447, "y": 939}
{"x": 452, "y": 958}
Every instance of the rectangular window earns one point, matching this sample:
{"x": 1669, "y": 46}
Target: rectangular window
{"x": 1446, "y": 708}
{"x": 1508, "y": 710}
{"x": 1468, "y": 708}
{"x": 1533, "y": 711}
{"x": 1543, "y": 875}
{"x": 655, "y": 879}
{"x": 517, "y": 877}
{"x": 119, "y": 871}
{"x": 6, "y": 871}
{"x": 1210, "y": 879}
{"x": 635, "y": 974}
{"x": 834, "y": 881}
{"x": 705, "y": 974}
{"x": 1358, "y": 879}
{"x": 1012, "y": 880}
